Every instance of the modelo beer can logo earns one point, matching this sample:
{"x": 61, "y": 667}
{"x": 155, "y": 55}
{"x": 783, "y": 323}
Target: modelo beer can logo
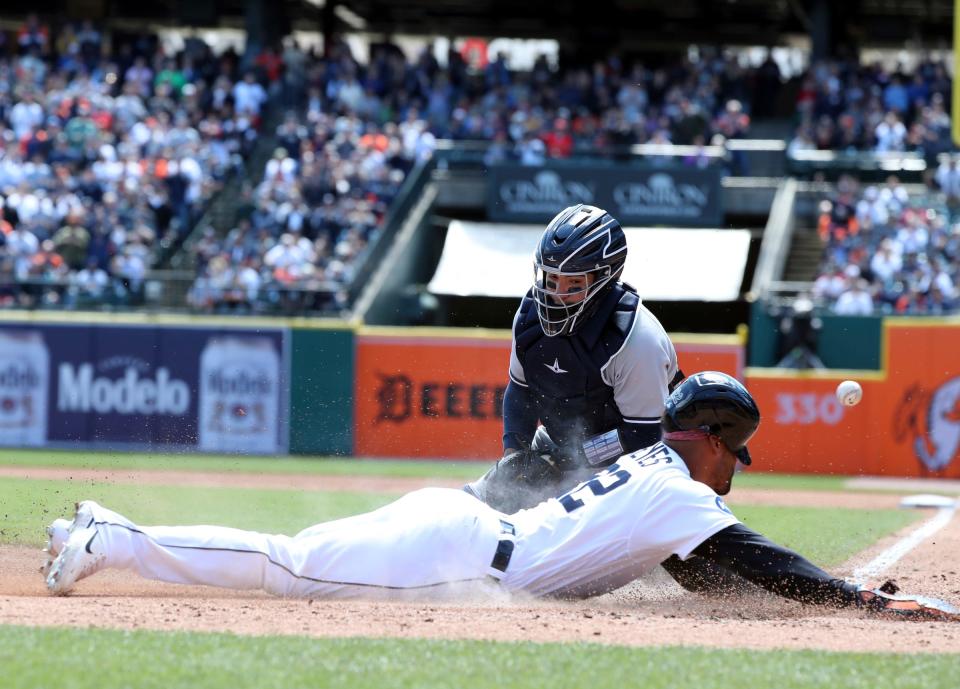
{"x": 24, "y": 377}
{"x": 239, "y": 396}
{"x": 134, "y": 392}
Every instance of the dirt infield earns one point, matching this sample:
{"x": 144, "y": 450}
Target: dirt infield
{"x": 653, "y": 612}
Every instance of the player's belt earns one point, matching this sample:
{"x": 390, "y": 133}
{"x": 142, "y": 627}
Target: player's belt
{"x": 501, "y": 558}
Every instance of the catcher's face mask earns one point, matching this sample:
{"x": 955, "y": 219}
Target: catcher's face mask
{"x": 564, "y": 300}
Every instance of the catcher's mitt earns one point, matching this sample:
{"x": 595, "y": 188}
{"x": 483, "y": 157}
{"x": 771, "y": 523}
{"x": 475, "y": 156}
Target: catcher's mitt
{"x": 520, "y": 480}
{"x": 528, "y": 467}
{"x": 886, "y": 601}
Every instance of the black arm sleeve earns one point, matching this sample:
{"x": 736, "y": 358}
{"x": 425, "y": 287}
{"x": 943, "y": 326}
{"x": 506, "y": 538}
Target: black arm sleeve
{"x": 520, "y": 416}
{"x": 774, "y": 567}
{"x": 703, "y": 576}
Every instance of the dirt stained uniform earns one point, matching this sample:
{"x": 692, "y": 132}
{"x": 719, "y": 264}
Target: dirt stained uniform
{"x": 597, "y": 537}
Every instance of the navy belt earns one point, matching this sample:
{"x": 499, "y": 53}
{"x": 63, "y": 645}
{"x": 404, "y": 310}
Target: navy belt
{"x": 501, "y": 558}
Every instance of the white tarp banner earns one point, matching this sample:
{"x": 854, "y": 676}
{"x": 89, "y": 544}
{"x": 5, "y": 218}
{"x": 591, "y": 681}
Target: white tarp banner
{"x": 663, "y": 264}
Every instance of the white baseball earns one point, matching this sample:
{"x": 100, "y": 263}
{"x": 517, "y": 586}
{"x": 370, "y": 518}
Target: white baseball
{"x": 849, "y": 393}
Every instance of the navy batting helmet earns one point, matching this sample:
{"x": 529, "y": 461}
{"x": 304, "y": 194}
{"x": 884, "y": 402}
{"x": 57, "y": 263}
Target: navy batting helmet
{"x": 717, "y": 404}
{"x": 579, "y": 258}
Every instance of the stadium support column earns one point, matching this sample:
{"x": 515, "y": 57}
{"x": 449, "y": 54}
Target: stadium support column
{"x": 820, "y": 29}
{"x": 328, "y": 25}
{"x": 266, "y": 23}
{"x": 829, "y": 24}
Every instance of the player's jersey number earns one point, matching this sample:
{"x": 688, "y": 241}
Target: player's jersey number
{"x": 613, "y": 477}
{"x": 603, "y": 483}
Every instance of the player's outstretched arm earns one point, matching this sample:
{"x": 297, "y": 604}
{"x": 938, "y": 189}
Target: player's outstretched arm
{"x": 786, "y": 573}
{"x": 775, "y": 568}
{"x": 700, "y": 575}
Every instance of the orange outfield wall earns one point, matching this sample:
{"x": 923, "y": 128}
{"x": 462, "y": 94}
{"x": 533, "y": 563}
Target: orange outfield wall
{"x": 429, "y": 393}
{"x": 908, "y": 423}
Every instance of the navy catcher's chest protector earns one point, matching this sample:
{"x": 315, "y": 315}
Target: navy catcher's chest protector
{"x": 564, "y": 372}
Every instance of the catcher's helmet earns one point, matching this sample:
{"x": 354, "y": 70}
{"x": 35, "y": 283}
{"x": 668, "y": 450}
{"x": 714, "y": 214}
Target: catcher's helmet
{"x": 584, "y": 247}
{"x": 716, "y": 403}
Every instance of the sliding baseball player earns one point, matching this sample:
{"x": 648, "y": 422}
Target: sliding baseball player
{"x": 651, "y": 506}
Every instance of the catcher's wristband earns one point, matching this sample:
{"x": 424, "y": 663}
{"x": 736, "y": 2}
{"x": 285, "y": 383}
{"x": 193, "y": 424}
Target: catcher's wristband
{"x": 602, "y": 447}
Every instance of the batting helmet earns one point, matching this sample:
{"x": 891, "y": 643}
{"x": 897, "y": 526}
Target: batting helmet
{"x": 717, "y": 404}
{"x": 579, "y": 258}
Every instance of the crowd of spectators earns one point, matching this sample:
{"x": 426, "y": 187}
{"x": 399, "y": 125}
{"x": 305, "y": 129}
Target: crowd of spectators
{"x": 323, "y": 198}
{"x": 355, "y": 130}
{"x": 887, "y": 252}
{"x": 109, "y": 150}
{"x": 605, "y": 107}
{"x": 843, "y": 105}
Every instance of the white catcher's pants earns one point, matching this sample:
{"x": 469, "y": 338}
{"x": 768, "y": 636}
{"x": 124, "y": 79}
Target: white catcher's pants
{"x": 431, "y": 541}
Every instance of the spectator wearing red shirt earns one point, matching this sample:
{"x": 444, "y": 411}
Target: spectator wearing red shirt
{"x": 559, "y": 141}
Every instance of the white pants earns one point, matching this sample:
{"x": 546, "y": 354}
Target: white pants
{"x": 432, "y": 541}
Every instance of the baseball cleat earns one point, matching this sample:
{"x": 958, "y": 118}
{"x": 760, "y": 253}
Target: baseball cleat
{"x": 57, "y": 534}
{"x": 79, "y": 558}
{"x": 71, "y": 545}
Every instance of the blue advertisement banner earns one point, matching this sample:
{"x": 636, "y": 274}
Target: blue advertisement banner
{"x": 213, "y": 390}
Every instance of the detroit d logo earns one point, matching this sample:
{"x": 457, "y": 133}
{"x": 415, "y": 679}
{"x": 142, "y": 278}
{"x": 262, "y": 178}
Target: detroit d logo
{"x": 931, "y": 421}
{"x": 394, "y": 397}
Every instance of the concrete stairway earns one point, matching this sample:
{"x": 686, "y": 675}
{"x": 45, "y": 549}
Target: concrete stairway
{"x": 803, "y": 261}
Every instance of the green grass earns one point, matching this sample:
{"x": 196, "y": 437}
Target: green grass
{"x": 760, "y": 479}
{"x": 90, "y": 659}
{"x": 824, "y": 535}
{"x": 336, "y": 466}
{"x": 26, "y": 506}
{"x": 273, "y": 465}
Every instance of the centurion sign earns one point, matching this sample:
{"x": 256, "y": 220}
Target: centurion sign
{"x": 636, "y": 195}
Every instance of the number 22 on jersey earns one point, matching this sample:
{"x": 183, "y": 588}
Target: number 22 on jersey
{"x": 611, "y": 478}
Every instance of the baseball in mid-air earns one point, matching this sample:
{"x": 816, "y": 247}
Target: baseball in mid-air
{"x": 849, "y": 393}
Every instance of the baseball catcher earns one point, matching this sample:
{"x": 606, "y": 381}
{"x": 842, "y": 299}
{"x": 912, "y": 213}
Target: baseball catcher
{"x": 658, "y": 504}
{"x": 588, "y": 361}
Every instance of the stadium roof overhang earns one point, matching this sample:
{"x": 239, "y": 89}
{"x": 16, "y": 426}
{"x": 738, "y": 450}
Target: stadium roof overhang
{"x": 632, "y": 25}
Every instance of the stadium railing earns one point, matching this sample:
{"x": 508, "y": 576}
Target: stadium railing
{"x": 756, "y": 156}
{"x": 867, "y": 165}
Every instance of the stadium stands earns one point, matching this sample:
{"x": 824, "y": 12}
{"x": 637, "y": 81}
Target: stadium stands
{"x": 843, "y": 106}
{"x": 112, "y": 150}
{"x": 108, "y": 155}
{"x": 341, "y": 159}
{"x": 887, "y": 251}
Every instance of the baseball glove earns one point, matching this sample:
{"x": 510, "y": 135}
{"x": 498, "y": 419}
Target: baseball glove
{"x": 520, "y": 480}
{"x": 886, "y": 601}
{"x": 528, "y": 467}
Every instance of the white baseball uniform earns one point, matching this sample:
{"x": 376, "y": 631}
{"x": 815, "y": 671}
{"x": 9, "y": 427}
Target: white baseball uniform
{"x": 598, "y": 536}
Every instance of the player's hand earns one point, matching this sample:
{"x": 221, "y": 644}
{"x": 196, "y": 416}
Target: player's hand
{"x": 890, "y": 604}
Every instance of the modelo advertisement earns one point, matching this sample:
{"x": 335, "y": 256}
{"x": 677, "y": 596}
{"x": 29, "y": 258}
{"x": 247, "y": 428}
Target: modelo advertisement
{"x": 635, "y": 195}
{"x": 439, "y": 396}
{"x": 908, "y": 423}
{"x": 130, "y": 386}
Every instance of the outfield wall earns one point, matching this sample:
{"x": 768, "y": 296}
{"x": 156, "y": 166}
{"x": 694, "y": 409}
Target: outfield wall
{"x": 438, "y": 392}
{"x": 908, "y": 423}
{"x": 138, "y": 382}
{"x": 272, "y": 386}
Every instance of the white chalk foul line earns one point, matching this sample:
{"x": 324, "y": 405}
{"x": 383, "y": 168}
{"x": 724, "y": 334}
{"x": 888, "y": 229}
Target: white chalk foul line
{"x": 889, "y": 556}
